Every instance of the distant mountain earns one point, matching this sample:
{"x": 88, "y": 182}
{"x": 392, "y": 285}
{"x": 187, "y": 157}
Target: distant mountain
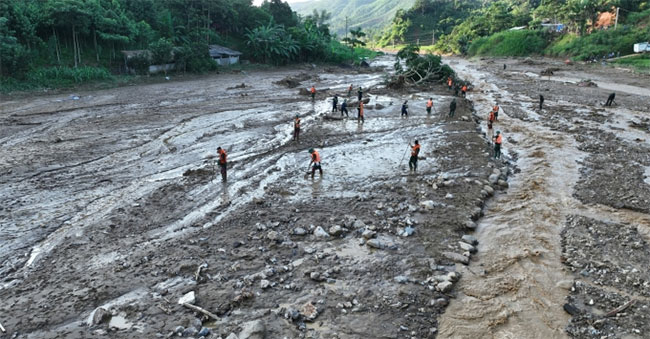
{"x": 365, "y": 13}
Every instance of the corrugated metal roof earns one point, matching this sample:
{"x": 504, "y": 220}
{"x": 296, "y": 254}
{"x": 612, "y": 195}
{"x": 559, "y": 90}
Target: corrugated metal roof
{"x": 216, "y": 50}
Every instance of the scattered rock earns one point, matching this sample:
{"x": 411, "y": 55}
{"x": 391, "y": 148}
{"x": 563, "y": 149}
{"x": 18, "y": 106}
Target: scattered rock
{"x": 319, "y": 232}
{"x": 503, "y": 183}
{"x": 100, "y": 316}
{"x": 401, "y": 279}
{"x": 308, "y": 311}
{"x": 232, "y": 336}
{"x": 204, "y": 332}
{"x": 564, "y": 284}
{"x": 470, "y": 225}
{"x": 299, "y": 231}
{"x": 358, "y": 224}
{"x": 572, "y": 310}
{"x": 494, "y": 178}
{"x": 336, "y": 230}
{"x": 253, "y": 330}
{"x": 428, "y": 204}
{"x": 459, "y": 258}
{"x": 488, "y": 189}
{"x": 179, "y": 330}
{"x": 368, "y": 234}
{"x": 188, "y": 298}
{"x": 273, "y": 236}
{"x": 467, "y": 247}
{"x": 445, "y": 286}
{"x": 470, "y": 239}
{"x": 381, "y": 243}
{"x": 265, "y": 284}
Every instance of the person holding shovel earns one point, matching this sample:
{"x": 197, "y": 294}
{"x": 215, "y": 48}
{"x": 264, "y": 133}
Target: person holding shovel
{"x": 223, "y": 163}
{"x": 315, "y": 161}
{"x": 413, "y": 161}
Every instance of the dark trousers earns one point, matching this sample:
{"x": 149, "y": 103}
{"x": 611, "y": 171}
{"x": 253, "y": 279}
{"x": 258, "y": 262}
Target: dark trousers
{"x": 344, "y": 110}
{"x": 314, "y": 168}
{"x": 405, "y": 113}
{"x": 452, "y": 111}
{"x": 296, "y": 133}
{"x": 224, "y": 170}
{"x": 413, "y": 163}
{"x": 428, "y": 110}
{"x": 497, "y": 151}
{"x": 334, "y": 109}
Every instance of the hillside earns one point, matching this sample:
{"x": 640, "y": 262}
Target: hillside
{"x": 365, "y": 13}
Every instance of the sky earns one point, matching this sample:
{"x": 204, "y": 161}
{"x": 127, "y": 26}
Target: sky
{"x": 259, "y": 2}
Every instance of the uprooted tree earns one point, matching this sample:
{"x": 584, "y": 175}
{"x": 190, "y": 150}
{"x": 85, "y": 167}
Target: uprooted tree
{"x": 415, "y": 69}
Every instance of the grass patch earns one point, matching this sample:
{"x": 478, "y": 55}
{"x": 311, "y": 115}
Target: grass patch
{"x": 55, "y": 77}
{"x": 509, "y": 43}
{"x": 641, "y": 61}
{"x": 599, "y": 43}
{"x": 340, "y": 53}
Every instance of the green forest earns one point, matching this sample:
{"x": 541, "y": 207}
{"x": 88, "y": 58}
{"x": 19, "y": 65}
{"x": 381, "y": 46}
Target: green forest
{"x": 483, "y": 27}
{"x": 57, "y": 42}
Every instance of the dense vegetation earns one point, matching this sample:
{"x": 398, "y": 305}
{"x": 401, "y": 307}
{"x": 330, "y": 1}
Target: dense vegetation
{"x": 477, "y": 27}
{"x": 59, "y": 42}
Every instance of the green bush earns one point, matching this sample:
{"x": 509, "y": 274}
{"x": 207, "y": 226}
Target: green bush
{"x": 599, "y": 43}
{"x": 509, "y": 43}
{"x": 340, "y": 53}
{"x": 641, "y": 61}
{"x": 66, "y": 76}
{"x": 140, "y": 63}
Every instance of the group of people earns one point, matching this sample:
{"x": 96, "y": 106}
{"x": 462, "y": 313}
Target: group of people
{"x": 457, "y": 86}
{"x": 498, "y": 138}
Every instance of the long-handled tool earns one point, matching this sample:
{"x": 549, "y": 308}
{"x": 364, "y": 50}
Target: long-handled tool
{"x": 401, "y": 162}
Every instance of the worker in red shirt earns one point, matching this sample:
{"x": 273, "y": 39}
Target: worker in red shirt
{"x": 429, "y": 105}
{"x": 315, "y": 161}
{"x": 413, "y": 161}
{"x": 463, "y": 90}
{"x": 313, "y": 92}
{"x": 223, "y": 163}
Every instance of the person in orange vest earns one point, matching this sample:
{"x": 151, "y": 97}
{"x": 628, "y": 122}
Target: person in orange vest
{"x": 315, "y": 160}
{"x": 313, "y": 92}
{"x": 450, "y": 82}
{"x": 350, "y": 90}
{"x": 223, "y": 163}
{"x": 360, "y": 117}
{"x": 495, "y": 109}
{"x": 463, "y": 90}
{"x": 429, "y": 105}
{"x": 296, "y": 128}
{"x": 498, "y": 139}
{"x": 489, "y": 124}
{"x": 413, "y": 161}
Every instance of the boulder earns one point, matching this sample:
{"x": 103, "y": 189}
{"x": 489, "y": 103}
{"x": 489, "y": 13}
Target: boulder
{"x": 188, "y": 298}
{"x": 319, "y": 232}
{"x": 455, "y": 257}
{"x": 253, "y": 330}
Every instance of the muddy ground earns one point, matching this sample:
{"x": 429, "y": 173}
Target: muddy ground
{"x": 567, "y": 245}
{"x": 111, "y": 209}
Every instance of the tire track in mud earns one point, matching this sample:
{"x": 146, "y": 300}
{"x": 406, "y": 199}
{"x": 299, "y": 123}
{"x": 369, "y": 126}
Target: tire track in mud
{"x": 518, "y": 285}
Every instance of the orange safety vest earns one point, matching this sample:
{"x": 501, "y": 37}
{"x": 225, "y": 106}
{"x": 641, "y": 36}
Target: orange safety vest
{"x": 495, "y": 108}
{"x": 499, "y": 139}
{"x": 416, "y": 150}
{"x": 361, "y": 108}
{"x": 222, "y": 156}
{"x": 296, "y": 123}
{"x": 313, "y": 90}
{"x": 464, "y": 88}
{"x": 491, "y": 116}
{"x": 429, "y": 103}
{"x": 449, "y": 81}
{"x": 315, "y": 157}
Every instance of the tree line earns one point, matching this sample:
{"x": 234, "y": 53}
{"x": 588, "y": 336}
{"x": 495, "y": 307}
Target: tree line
{"x": 76, "y": 33}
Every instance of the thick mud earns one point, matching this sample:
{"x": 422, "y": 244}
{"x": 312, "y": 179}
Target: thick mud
{"x": 112, "y": 209}
{"x": 575, "y": 159}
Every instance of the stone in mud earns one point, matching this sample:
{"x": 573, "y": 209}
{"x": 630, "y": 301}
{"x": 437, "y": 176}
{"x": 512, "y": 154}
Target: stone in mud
{"x": 381, "y": 243}
{"x": 572, "y": 310}
{"x": 315, "y": 276}
{"x": 379, "y": 106}
{"x": 188, "y": 298}
{"x": 368, "y": 234}
{"x": 477, "y": 213}
{"x": 204, "y": 332}
{"x": 470, "y": 239}
{"x": 189, "y": 332}
{"x": 428, "y": 204}
{"x": 299, "y": 231}
{"x": 319, "y": 232}
{"x": 453, "y": 276}
{"x": 100, "y": 316}
{"x": 265, "y": 284}
{"x": 494, "y": 178}
{"x": 358, "y": 224}
{"x": 440, "y": 302}
{"x": 232, "y": 336}
{"x": 401, "y": 279}
{"x": 467, "y": 247}
{"x": 445, "y": 286}
{"x": 253, "y": 330}
{"x": 179, "y": 330}
{"x": 488, "y": 189}
{"x": 470, "y": 225}
{"x": 459, "y": 258}
{"x": 564, "y": 284}
{"x": 308, "y": 311}
{"x": 273, "y": 236}
{"x": 336, "y": 230}
{"x": 503, "y": 183}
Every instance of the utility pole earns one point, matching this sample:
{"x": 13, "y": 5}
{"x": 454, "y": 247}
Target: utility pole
{"x": 616, "y": 22}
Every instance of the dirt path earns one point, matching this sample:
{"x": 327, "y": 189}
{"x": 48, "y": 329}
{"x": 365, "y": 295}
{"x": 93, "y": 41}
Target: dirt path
{"x": 518, "y": 285}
